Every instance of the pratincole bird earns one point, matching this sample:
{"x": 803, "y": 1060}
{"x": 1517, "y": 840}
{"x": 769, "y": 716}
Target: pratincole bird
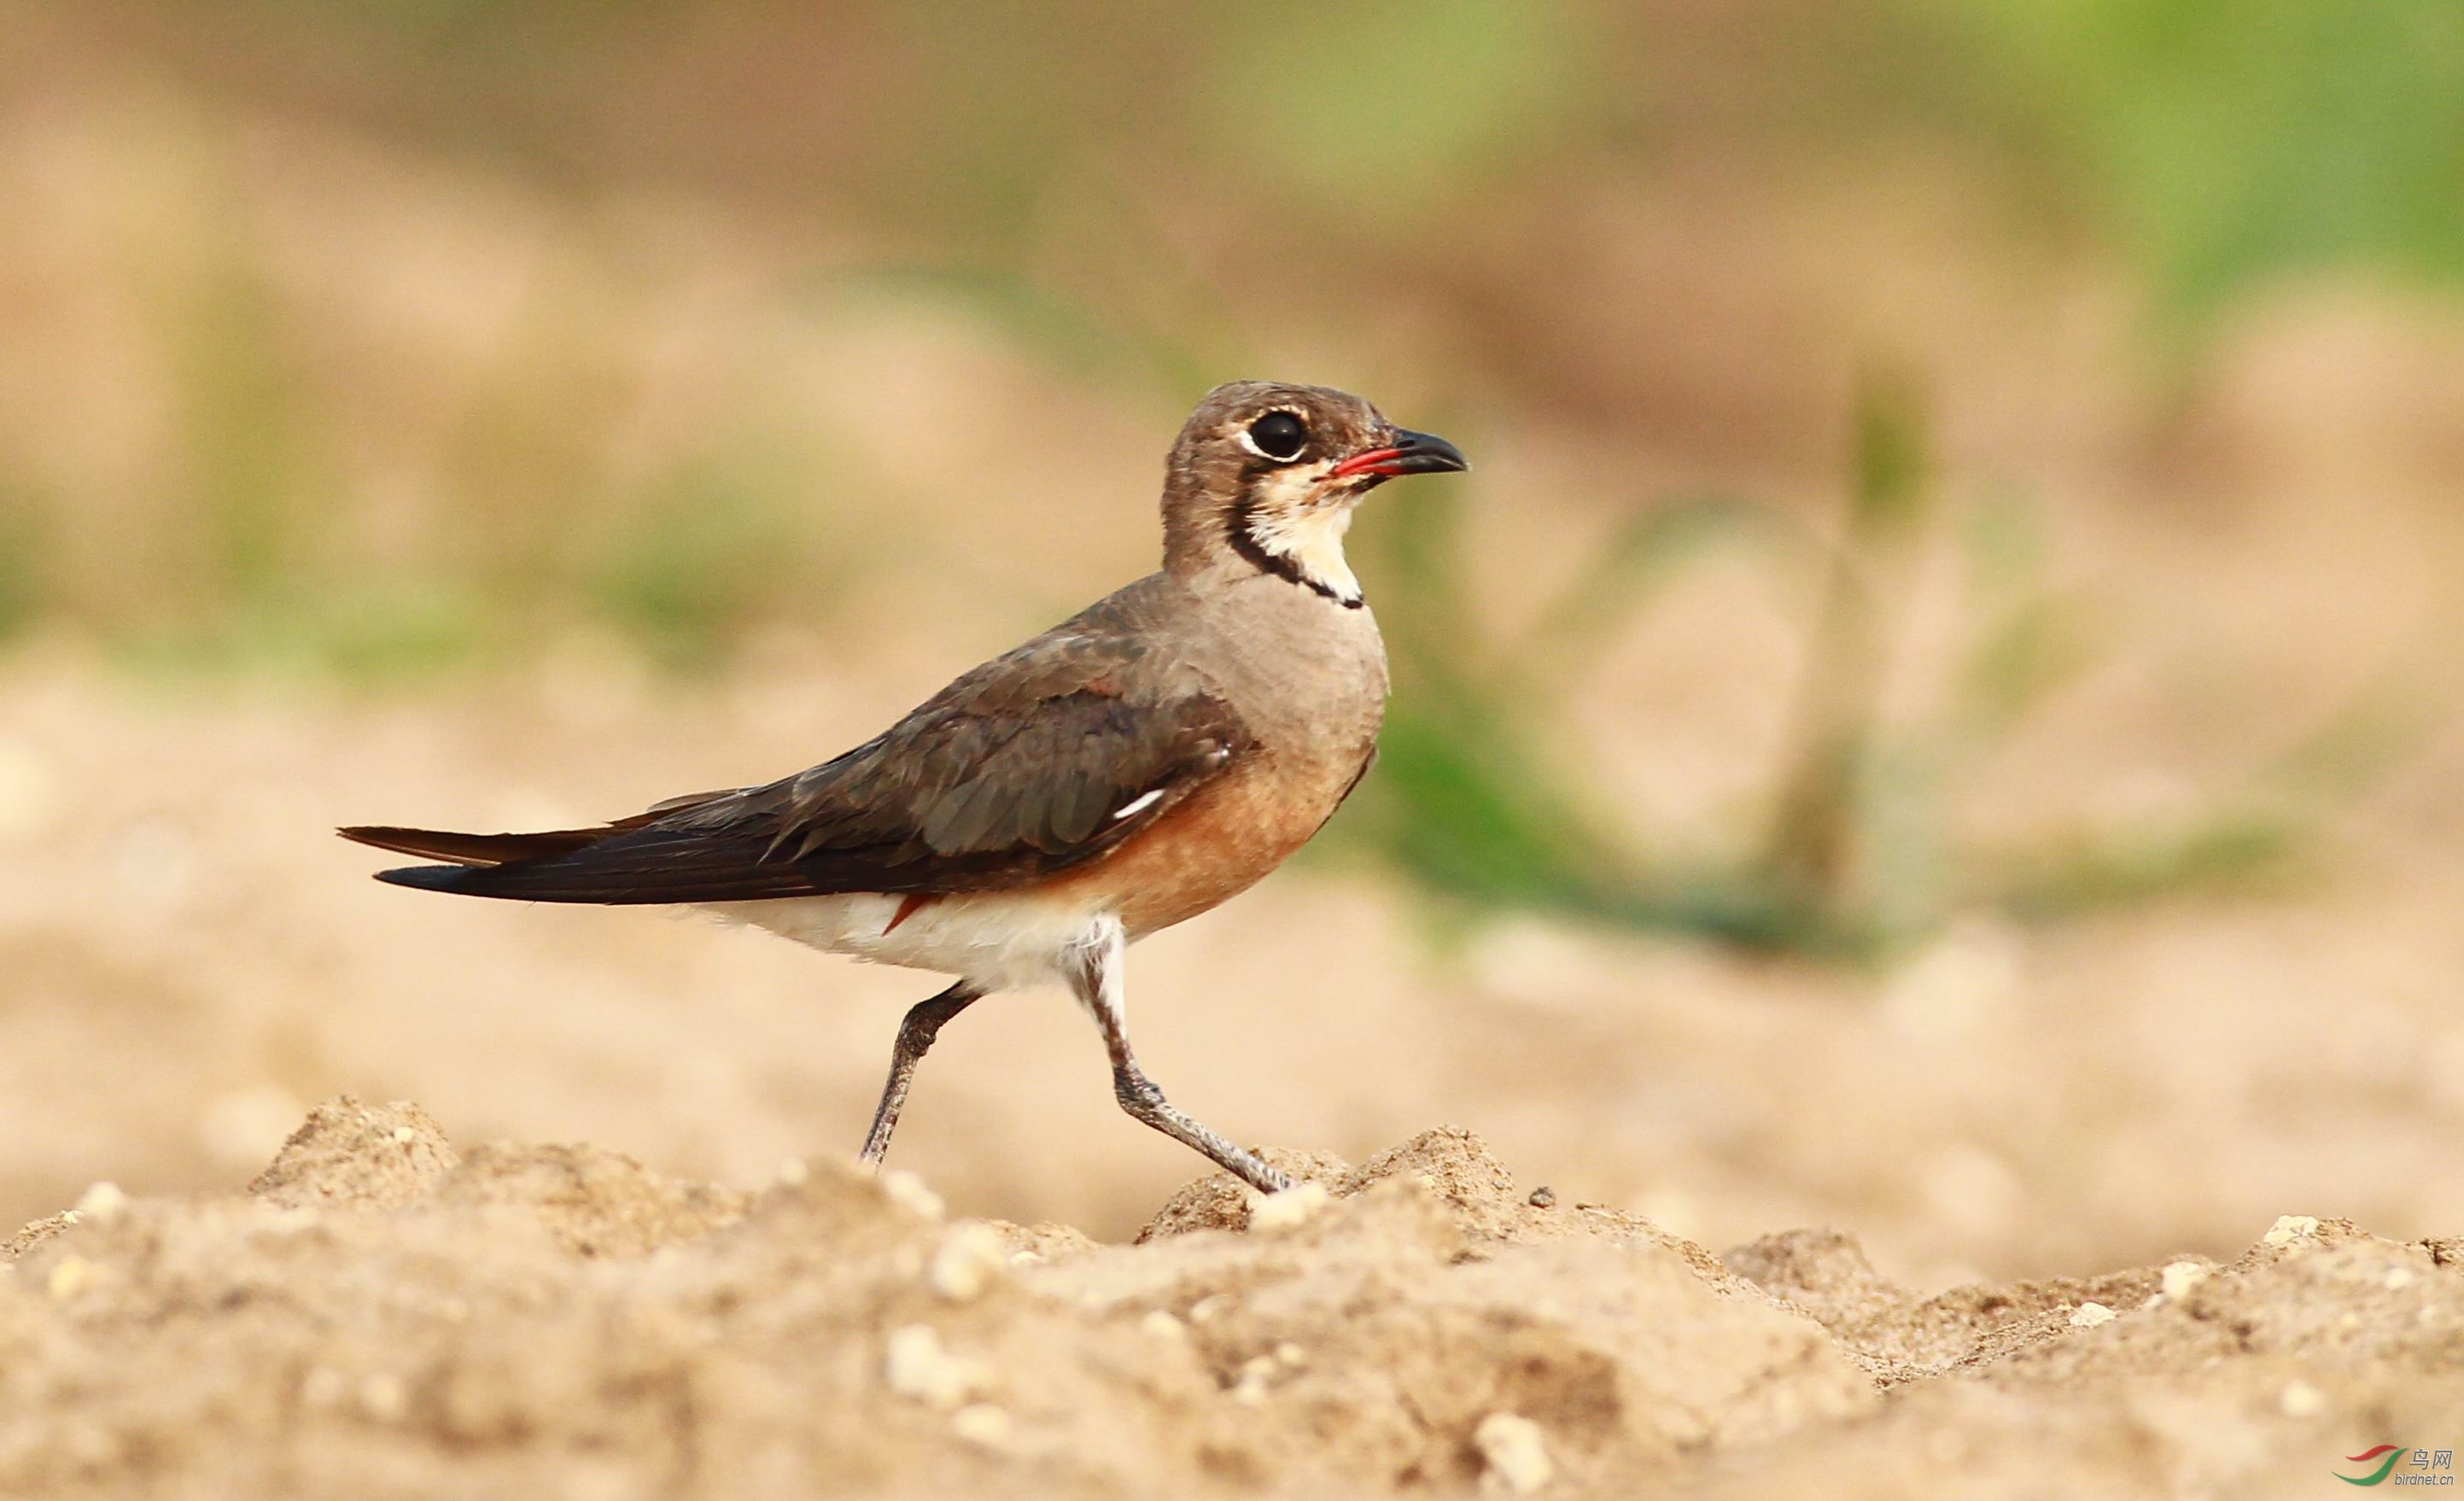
{"x": 1132, "y": 767}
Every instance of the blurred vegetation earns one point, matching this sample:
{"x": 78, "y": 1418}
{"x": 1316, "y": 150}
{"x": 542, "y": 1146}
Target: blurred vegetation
{"x": 1477, "y": 800}
{"x": 2226, "y": 141}
{"x": 1140, "y": 201}
{"x": 1038, "y": 162}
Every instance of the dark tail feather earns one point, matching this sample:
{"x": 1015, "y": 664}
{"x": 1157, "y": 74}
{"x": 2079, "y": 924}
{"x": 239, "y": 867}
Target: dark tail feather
{"x": 631, "y": 861}
{"x": 616, "y": 867}
{"x": 428, "y": 878}
{"x": 475, "y": 850}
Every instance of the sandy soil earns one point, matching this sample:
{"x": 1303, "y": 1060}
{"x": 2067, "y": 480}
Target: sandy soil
{"x": 379, "y": 1315}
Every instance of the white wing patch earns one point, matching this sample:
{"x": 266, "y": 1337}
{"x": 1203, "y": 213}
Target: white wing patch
{"x": 1137, "y": 805}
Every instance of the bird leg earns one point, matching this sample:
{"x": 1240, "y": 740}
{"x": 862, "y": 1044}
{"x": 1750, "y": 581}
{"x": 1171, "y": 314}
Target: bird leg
{"x": 915, "y": 1035}
{"x": 1094, "y": 972}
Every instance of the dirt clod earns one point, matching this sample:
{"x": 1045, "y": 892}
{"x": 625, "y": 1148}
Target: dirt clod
{"x": 383, "y": 1314}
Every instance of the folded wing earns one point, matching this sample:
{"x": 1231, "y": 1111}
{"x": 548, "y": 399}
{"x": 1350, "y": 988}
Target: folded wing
{"x": 1032, "y": 764}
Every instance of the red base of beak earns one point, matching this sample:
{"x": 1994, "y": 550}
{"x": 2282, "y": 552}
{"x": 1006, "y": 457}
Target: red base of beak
{"x": 1412, "y": 454}
{"x": 1375, "y": 461}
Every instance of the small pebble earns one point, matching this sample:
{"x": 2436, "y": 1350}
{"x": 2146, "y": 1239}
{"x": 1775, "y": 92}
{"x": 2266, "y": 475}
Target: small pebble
{"x": 2291, "y": 1228}
{"x": 102, "y": 1203}
{"x": 404, "y": 1135}
{"x": 1162, "y": 1325}
{"x": 2398, "y": 1277}
{"x": 2181, "y": 1276}
{"x": 981, "y": 1425}
{"x": 1290, "y": 1355}
{"x": 918, "y": 1367}
{"x": 792, "y": 1172}
{"x": 969, "y": 1258}
{"x": 1516, "y": 1453}
{"x": 2087, "y": 1316}
{"x": 2301, "y": 1400}
{"x": 1289, "y": 1210}
{"x": 1543, "y": 1197}
{"x": 908, "y": 1191}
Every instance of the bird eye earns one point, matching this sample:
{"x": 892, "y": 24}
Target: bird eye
{"x": 1278, "y": 435}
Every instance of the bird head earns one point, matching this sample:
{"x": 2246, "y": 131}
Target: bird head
{"x": 1267, "y": 474}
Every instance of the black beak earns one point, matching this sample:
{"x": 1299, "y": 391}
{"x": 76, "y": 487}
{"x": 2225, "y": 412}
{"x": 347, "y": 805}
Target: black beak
{"x": 1406, "y": 453}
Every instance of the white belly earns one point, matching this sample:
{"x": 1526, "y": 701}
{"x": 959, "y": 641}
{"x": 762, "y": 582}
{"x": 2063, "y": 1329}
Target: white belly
{"x": 997, "y": 941}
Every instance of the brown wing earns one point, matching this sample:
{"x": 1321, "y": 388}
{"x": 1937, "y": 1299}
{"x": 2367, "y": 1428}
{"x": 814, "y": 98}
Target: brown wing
{"x": 1030, "y": 765}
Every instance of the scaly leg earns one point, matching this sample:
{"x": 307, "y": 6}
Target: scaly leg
{"x": 1094, "y": 972}
{"x": 915, "y": 1035}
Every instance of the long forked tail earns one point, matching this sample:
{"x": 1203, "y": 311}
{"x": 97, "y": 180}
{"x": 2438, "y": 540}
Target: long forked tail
{"x": 467, "y": 854}
{"x": 486, "y": 852}
{"x": 438, "y": 843}
{"x": 630, "y": 862}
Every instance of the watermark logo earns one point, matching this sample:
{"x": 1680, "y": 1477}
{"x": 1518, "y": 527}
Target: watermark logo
{"x": 2421, "y": 1466}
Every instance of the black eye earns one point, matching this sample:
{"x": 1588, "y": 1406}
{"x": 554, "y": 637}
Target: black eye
{"x": 1278, "y": 435}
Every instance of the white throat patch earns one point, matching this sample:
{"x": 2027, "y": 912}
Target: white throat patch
{"x": 1292, "y": 518}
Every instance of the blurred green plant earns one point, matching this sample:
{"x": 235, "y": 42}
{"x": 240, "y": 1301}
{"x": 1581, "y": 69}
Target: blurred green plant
{"x": 360, "y": 634}
{"x": 2229, "y": 140}
{"x": 689, "y": 565}
{"x": 1476, "y": 802}
{"x": 25, "y": 565}
{"x": 1472, "y": 797}
{"x": 1392, "y": 105}
{"x": 255, "y": 554}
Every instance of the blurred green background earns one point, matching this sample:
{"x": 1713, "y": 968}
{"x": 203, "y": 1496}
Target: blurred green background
{"x": 380, "y": 344}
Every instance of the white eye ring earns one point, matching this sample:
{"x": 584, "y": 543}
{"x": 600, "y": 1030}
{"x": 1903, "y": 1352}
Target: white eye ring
{"x": 1251, "y": 444}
